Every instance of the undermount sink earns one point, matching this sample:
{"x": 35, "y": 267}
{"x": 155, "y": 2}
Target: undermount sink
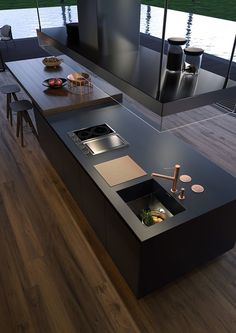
{"x": 149, "y": 196}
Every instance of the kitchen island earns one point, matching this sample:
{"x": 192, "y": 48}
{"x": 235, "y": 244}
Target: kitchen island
{"x": 32, "y": 73}
{"x": 200, "y": 227}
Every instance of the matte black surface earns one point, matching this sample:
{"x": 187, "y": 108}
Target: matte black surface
{"x": 149, "y": 195}
{"x": 154, "y": 152}
{"x": 147, "y": 257}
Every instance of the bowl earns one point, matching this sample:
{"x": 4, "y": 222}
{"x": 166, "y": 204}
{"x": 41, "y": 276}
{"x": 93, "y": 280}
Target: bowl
{"x": 51, "y": 62}
{"x": 54, "y": 82}
{"x": 78, "y": 78}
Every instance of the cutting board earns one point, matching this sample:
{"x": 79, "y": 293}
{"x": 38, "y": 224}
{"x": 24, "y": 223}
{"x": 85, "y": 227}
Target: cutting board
{"x": 119, "y": 170}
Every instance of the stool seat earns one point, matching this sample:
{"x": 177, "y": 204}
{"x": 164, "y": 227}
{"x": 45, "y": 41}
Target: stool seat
{"x": 21, "y": 105}
{"x": 9, "y": 89}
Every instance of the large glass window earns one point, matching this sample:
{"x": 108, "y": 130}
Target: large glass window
{"x": 207, "y": 24}
{"x": 27, "y": 15}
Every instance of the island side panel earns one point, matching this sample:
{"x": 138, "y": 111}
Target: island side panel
{"x": 122, "y": 245}
{"x": 173, "y": 253}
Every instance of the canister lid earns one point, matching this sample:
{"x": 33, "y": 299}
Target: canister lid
{"x": 193, "y": 51}
{"x": 177, "y": 40}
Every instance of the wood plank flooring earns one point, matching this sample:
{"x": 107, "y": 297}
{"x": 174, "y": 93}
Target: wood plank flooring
{"x": 209, "y": 129}
{"x": 56, "y": 277}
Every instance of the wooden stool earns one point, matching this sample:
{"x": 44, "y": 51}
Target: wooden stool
{"x": 21, "y": 107}
{"x": 10, "y": 90}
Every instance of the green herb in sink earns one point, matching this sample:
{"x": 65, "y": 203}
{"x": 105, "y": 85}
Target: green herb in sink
{"x": 146, "y": 217}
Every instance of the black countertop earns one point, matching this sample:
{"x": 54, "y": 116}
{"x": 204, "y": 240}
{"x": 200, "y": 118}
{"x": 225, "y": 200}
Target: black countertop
{"x": 154, "y": 152}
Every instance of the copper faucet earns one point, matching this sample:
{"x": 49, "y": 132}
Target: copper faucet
{"x": 174, "y": 177}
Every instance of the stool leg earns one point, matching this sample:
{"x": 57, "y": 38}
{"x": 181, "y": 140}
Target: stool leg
{"x": 10, "y": 114}
{"x": 18, "y": 124}
{"x": 21, "y": 129}
{"x": 27, "y": 117}
{"x": 8, "y": 107}
{"x": 14, "y": 96}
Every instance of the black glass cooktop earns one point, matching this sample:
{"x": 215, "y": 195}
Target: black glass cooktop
{"x": 97, "y": 139}
{"x": 93, "y": 132}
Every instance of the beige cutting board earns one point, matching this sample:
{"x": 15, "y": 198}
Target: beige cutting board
{"x": 119, "y": 170}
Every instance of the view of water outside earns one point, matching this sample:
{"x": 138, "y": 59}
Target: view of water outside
{"x": 24, "y": 22}
{"x": 215, "y": 36}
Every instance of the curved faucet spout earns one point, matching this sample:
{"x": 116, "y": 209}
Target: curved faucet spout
{"x": 174, "y": 178}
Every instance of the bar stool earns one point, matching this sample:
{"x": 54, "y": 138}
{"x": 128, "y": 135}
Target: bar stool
{"x": 10, "y": 90}
{"x": 21, "y": 107}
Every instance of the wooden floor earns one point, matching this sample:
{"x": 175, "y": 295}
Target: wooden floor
{"x": 55, "y": 276}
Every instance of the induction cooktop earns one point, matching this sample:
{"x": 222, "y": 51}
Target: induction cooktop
{"x": 97, "y": 139}
{"x": 93, "y": 132}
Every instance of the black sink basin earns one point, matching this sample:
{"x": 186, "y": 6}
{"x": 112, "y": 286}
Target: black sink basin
{"x": 149, "y": 196}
